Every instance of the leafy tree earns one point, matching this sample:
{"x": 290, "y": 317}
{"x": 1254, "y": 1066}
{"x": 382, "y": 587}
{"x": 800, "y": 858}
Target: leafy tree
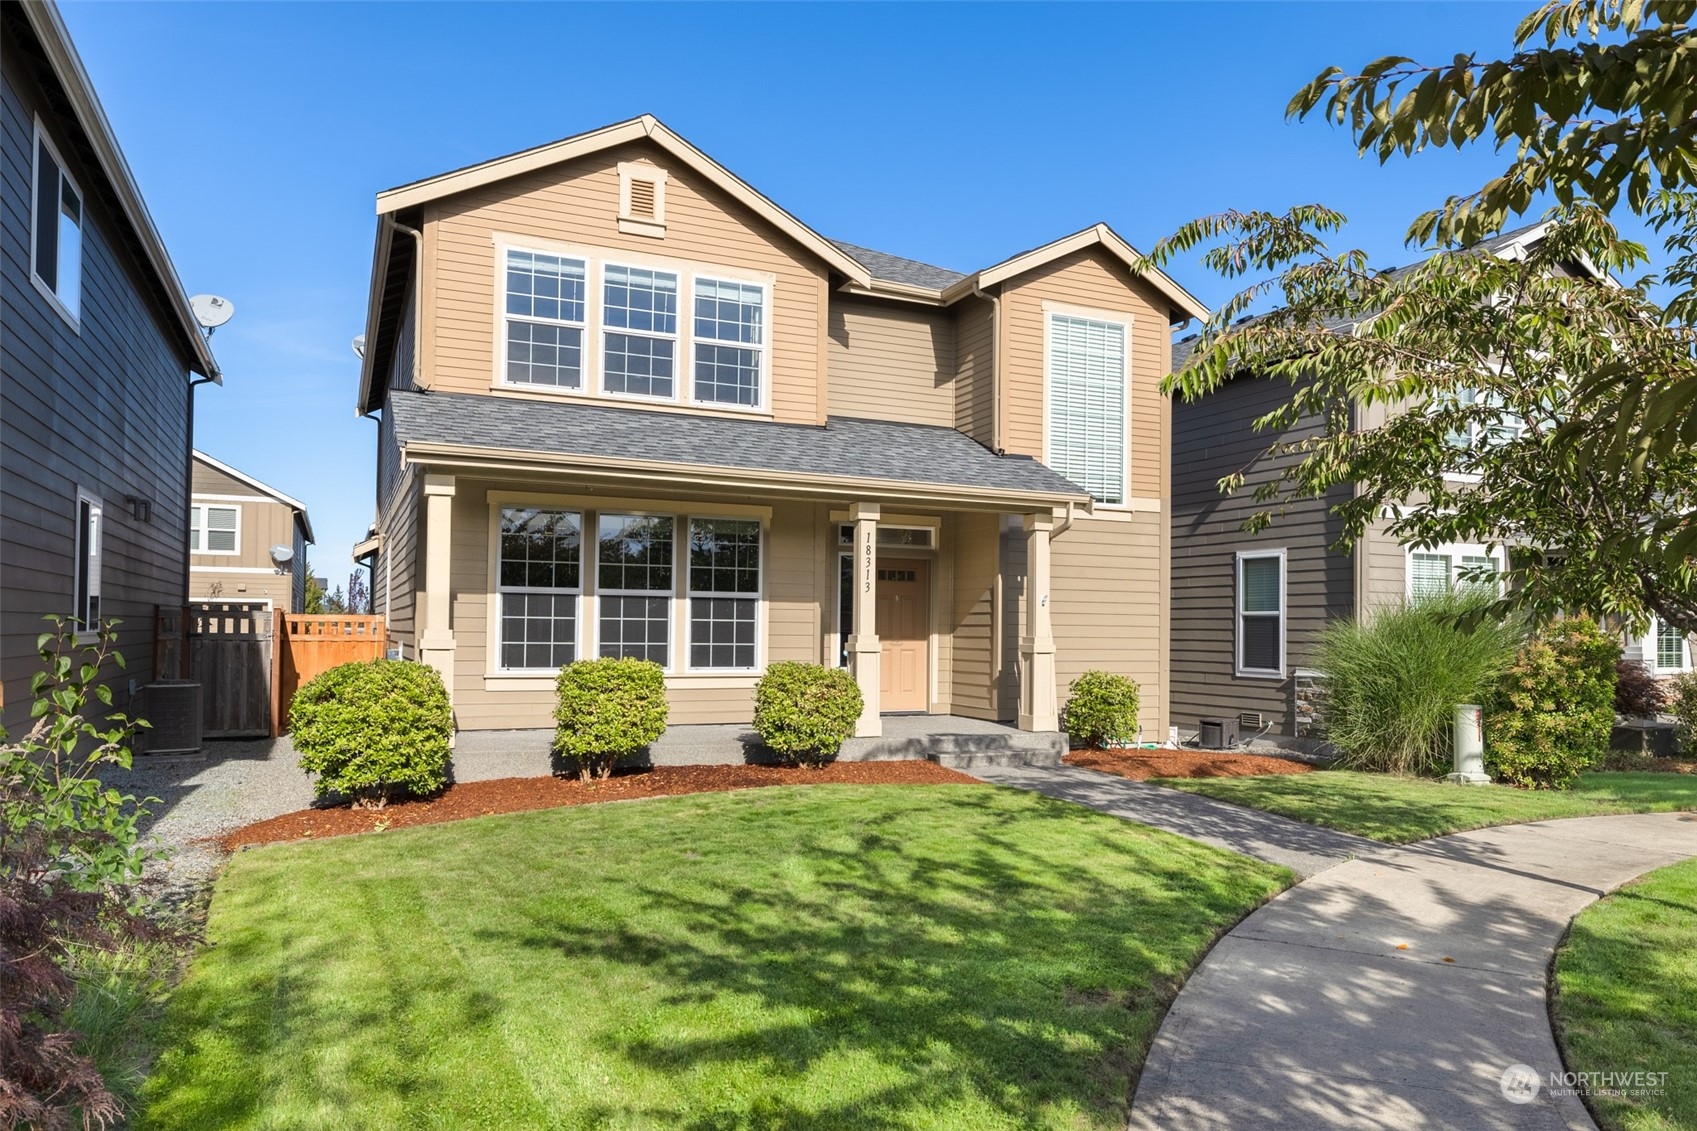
{"x": 359, "y": 595}
{"x": 335, "y": 602}
{"x": 314, "y": 602}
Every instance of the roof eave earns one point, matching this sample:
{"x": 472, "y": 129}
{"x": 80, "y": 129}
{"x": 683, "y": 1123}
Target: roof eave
{"x": 289, "y": 501}
{"x": 1181, "y": 301}
{"x": 373, "y": 315}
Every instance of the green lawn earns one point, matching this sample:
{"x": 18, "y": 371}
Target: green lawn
{"x": 1399, "y": 810}
{"x": 1626, "y": 996}
{"x": 820, "y": 957}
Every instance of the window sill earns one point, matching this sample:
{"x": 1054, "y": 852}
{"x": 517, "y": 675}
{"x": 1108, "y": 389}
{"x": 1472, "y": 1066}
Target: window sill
{"x": 631, "y": 226}
{"x": 71, "y": 319}
{"x": 1243, "y": 674}
{"x": 545, "y": 681}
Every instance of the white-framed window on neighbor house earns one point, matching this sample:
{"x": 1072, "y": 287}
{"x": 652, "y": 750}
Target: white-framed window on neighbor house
{"x": 724, "y": 594}
{"x": 729, "y": 333}
{"x": 1440, "y": 569}
{"x": 1481, "y": 433}
{"x": 1670, "y": 652}
{"x": 56, "y": 230}
{"x": 634, "y": 586}
{"x": 1260, "y": 613}
{"x": 639, "y": 334}
{"x": 90, "y": 554}
{"x": 546, "y": 317}
{"x": 1088, "y": 378}
{"x": 538, "y": 582}
{"x": 215, "y": 529}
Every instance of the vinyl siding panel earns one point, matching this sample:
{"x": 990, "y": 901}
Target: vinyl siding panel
{"x": 577, "y": 203}
{"x": 891, "y": 361}
{"x": 1214, "y": 437}
{"x": 103, "y": 408}
{"x": 1108, "y": 602}
{"x": 396, "y": 580}
{"x": 975, "y": 541}
{"x": 975, "y": 370}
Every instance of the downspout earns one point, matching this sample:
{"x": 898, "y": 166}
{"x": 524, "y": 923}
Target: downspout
{"x": 417, "y": 289}
{"x": 995, "y": 366}
{"x": 188, "y": 485}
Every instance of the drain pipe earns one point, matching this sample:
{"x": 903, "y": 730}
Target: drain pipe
{"x": 417, "y": 290}
{"x": 995, "y": 366}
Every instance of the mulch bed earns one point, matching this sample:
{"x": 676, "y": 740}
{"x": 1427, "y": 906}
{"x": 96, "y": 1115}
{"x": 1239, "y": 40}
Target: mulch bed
{"x": 518, "y": 795}
{"x": 1141, "y": 765}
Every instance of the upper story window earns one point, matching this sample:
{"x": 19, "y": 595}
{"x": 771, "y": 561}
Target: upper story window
{"x": 1087, "y": 404}
{"x": 56, "y": 231}
{"x": 545, "y": 319}
{"x": 730, "y": 330}
{"x": 1439, "y": 569}
{"x": 214, "y": 529}
{"x": 641, "y": 331}
{"x": 1484, "y": 433}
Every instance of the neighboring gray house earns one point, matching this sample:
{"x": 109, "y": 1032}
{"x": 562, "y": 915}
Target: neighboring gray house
{"x": 1246, "y": 607}
{"x": 95, "y": 371}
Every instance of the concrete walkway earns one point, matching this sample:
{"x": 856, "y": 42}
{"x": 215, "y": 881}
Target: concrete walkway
{"x": 1393, "y": 990}
{"x": 1304, "y": 849}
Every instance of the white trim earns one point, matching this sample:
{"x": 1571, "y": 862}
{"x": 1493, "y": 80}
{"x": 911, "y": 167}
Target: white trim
{"x": 39, "y": 138}
{"x": 94, "y": 556}
{"x": 197, "y": 496}
{"x": 677, "y": 337}
{"x": 1652, "y": 652}
{"x": 1455, "y": 551}
{"x": 1238, "y": 614}
{"x": 204, "y": 529}
{"x": 492, "y": 617}
{"x": 763, "y": 394}
{"x": 287, "y": 500}
{"x": 758, "y": 596}
{"x": 270, "y": 570}
{"x": 1124, "y": 322}
{"x": 654, "y": 227}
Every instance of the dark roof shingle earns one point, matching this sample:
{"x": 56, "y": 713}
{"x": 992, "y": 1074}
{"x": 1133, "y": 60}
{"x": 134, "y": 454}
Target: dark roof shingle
{"x": 895, "y": 269}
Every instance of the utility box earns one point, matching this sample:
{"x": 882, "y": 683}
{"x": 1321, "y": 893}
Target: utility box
{"x": 1469, "y": 746}
{"x": 173, "y": 707}
{"x": 1216, "y": 734}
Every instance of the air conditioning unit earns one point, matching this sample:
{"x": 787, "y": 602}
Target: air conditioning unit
{"x": 1216, "y": 734}
{"x": 173, "y": 707}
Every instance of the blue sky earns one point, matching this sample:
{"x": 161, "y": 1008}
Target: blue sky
{"x": 957, "y": 134}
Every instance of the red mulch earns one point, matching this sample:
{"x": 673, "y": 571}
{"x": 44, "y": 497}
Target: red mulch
{"x": 518, "y": 795}
{"x": 1141, "y": 765}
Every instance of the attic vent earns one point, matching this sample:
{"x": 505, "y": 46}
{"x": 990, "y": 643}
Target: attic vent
{"x": 642, "y": 200}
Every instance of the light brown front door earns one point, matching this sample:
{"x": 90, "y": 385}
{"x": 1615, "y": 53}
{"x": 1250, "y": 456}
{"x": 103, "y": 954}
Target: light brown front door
{"x": 904, "y": 631}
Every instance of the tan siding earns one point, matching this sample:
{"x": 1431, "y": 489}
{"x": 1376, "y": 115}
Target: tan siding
{"x": 1108, "y": 605}
{"x": 398, "y": 569}
{"x": 971, "y": 539}
{"x": 262, "y": 526}
{"x": 975, "y": 370}
{"x": 578, "y": 203}
{"x": 1385, "y": 566}
{"x": 891, "y": 361}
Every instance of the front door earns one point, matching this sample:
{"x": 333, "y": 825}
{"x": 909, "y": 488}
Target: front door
{"x": 904, "y": 631}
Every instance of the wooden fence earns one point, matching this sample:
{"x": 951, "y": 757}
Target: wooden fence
{"x": 312, "y": 644}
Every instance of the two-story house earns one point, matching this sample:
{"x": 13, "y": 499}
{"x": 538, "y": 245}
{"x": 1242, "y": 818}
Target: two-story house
{"x": 1246, "y": 607}
{"x": 247, "y": 540}
{"x": 97, "y": 360}
{"x": 631, "y": 407}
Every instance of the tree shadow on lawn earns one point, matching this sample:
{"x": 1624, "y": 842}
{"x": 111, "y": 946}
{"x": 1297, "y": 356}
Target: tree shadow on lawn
{"x": 1016, "y": 973}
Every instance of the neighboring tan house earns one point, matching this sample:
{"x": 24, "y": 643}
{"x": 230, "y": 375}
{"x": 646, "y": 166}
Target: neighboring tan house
{"x": 247, "y": 540}
{"x": 1246, "y": 607}
{"x": 629, "y": 406}
{"x": 96, "y": 359}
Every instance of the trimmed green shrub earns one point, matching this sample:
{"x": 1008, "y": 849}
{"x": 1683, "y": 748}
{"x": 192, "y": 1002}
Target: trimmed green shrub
{"x": 805, "y": 712}
{"x": 374, "y": 731}
{"x": 1552, "y": 711}
{"x": 1101, "y": 709}
{"x": 608, "y": 708}
{"x": 1682, "y": 702}
{"x": 1393, "y": 681}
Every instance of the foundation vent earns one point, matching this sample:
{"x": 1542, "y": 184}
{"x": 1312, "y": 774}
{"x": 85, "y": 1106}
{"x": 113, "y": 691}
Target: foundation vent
{"x": 1250, "y": 720}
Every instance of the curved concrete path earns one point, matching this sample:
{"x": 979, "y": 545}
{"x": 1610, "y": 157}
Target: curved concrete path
{"x": 1392, "y": 990}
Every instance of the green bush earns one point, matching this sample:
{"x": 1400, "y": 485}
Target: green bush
{"x": 1101, "y": 709}
{"x": 1552, "y": 711}
{"x": 805, "y": 712}
{"x": 608, "y": 708}
{"x": 1682, "y": 702}
{"x": 1393, "y": 681}
{"x": 374, "y": 731}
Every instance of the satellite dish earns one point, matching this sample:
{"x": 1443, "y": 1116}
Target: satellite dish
{"x": 282, "y": 555}
{"x": 359, "y": 347}
{"x": 211, "y": 311}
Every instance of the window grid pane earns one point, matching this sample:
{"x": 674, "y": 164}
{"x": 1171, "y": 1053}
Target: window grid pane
{"x": 540, "y": 558}
{"x": 1087, "y": 404}
{"x": 539, "y": 354}
{"x": 538, "y": 630}
{"x": 1670, "y": 647}
{"x": 724, "y": 555}
{"x": 642, "y": 303}
{"x": 1260, "y": 643}
{"x": 1259, "y": 591}
{"x": 636, "y": 628}
{"x": 635, "y": 553}
{"x": 729, "y": 329}
{"x": 547, "y": 287}
{"x": 721, "y": 631}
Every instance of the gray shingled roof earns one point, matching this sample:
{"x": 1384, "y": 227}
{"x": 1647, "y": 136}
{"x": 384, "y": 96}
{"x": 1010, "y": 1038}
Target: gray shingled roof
{"x": 895, "y": 269}
{"x": 861, "y": 449}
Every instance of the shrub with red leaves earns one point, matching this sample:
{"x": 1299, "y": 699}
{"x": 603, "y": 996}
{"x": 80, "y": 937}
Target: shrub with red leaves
{"x": 1638, "y": 694}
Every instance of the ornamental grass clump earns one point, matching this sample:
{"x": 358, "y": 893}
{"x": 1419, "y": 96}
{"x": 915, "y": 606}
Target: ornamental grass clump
{"x": 805, "y": 712}
{"x": 1101, "y": 710}
{"x": 608, "y": 709}
{"x": 1553, "y": 710}
{"x": 1392, "y": 682}
{"x": 374, "y": 732}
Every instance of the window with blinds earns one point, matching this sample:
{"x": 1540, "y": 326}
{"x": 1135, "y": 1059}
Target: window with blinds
{"x": 1087, "y": 390}
{"x": 1670, "y": 647}
{"x": 214, "y": 530}
{"x": 1261, "y": 613}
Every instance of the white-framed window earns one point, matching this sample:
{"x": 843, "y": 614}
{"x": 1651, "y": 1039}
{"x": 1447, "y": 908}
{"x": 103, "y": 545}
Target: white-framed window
{"x": 90, "y": 550}
{"x": 724, "y": 594}
{"x": 639, "y": 337}
{"x": 56, "y": 225}
{"x": 1669, "y": 650}
{"x": 1260, "y": 613}
{"x": 546, "y": 319}
{"x": 1088, "y": 377}
{"x": 729, "y": 342}
{"x": 538, "y": 584}
{"x": 215, "y": 529}
{"x": 1483, "y": 434}
{"x": 1440, "y": 569}
{"x": 634, "y": 585}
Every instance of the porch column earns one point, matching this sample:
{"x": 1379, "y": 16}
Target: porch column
{"x": 436, "y": 636}
{"x": 1037, "y": 709}
{"x": 863, "y": 646}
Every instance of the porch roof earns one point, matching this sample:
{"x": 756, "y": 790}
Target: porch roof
{"x": 845, "y": 452}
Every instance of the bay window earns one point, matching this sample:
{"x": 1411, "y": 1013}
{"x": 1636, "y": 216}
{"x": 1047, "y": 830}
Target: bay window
{"x": 545, "y": 316}
{"x": 724, "y": 593}
{"x": 640, "y": 331}
{"x": 1087, "y": 403}
{"x": 634, "y": 581}
{"x": 538, "y": 582}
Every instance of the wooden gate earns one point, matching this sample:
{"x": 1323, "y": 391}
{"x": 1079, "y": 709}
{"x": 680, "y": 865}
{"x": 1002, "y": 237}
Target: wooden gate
{"x": 230, "y": 654}
{"x": 313, "y": 644}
